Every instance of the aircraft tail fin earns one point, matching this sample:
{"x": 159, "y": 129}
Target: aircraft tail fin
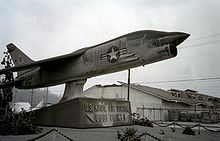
{"x": 18, "y": 57}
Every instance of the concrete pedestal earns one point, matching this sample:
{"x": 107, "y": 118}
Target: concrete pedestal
{"x": 85, "y": 113}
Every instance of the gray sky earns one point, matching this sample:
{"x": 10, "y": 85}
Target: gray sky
{"x": 47, "y": 28}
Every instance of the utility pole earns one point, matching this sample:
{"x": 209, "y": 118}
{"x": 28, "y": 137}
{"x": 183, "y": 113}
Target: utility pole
{"x": 129, "y": 73}
{"x": 32, "y": 92}
{"x": 14, "y": 101}
{"x": 46, "y": 99}
{"x": 195, "y": 113}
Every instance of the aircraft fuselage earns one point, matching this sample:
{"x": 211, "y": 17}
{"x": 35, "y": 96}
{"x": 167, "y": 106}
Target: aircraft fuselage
{"x": 128, "y": 51}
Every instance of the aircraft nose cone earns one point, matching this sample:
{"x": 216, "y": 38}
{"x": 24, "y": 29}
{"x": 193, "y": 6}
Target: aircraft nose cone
{"x": 183, "y": 36}
{"x": 178, "y": 37}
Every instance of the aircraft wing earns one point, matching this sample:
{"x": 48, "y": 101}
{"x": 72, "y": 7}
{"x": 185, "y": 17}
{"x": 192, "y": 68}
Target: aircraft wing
{"x": 46, "y": 62}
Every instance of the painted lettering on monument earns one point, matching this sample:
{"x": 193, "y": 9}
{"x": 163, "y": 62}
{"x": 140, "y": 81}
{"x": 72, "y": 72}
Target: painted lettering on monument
{"x": 106, "y": 112}
{"x": 91, "y": 107}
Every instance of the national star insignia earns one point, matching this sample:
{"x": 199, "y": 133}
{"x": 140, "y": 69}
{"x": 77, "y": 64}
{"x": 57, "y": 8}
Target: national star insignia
{"x": 113, "y": 54}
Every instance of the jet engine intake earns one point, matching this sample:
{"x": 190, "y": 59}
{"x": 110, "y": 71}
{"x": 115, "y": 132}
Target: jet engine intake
{"x": 173, "y": 51}
{"x": 167, "y": 50}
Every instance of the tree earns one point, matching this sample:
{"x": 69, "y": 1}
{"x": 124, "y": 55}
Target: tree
{"x": 11, "y": 123}
{"x": 6, "y": 92}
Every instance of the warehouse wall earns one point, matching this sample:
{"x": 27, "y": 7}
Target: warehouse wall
{"x": 146, "y": 105}
{"x": 138, "y": 99}
{"x": 116, "y": 92}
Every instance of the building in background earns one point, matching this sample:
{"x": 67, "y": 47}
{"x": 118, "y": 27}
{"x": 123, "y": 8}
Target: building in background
{"x": 19, "y": 106}
{"x": 158, "y": 104}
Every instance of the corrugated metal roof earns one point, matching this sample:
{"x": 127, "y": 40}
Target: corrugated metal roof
{"x": 187, "y": 97}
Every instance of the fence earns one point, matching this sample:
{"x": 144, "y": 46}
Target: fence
{"x": 163, "y": 114}
{"x": 49, "y": 132}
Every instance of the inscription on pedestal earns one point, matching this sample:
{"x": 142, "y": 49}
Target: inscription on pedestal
{"x": 107, "y": 113}
{"x": 85, "y": 113}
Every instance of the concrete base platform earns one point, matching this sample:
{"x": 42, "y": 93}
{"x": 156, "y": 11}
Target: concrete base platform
{"x": 84, "y": 113}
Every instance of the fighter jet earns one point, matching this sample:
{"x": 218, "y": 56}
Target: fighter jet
{"x": 128, "y": 51}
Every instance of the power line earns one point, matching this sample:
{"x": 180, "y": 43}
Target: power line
{"x": 183, "y": 80}
{"x": 200, "y": 38}
{"x": 204, "y": 37}
{"x": 202, "y": 44}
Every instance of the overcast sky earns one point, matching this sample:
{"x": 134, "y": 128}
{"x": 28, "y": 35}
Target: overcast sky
{"x": 47, "y": 28}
